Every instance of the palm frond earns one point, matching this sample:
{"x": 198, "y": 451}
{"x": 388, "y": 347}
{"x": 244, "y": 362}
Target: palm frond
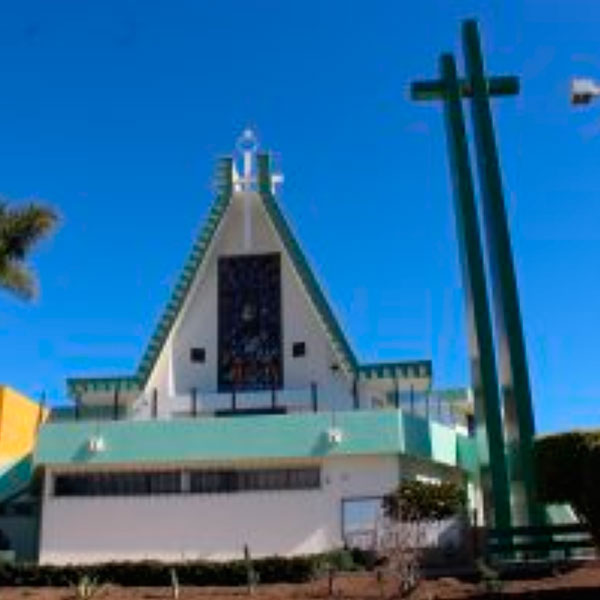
{"x": 22, "y": 227}
{"x": 17, "y": 278}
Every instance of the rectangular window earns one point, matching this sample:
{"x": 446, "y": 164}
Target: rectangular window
{"x": 205, "y": 481}
{"x": 249, "y": 323}
{"x": 118, "y": 484}
{"x": 298, "y": 349}
{"x": 198, "y": 355}
{"x": 361, "y": 520}
{"x": 246, "y": 480}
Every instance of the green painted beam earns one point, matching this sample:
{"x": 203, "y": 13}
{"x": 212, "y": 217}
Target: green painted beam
{"x": 436, "y": 89}
{"x": 494, "y": 478}
{"x": 518, "y": 407}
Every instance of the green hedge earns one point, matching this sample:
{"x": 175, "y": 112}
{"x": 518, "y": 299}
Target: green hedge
{"x": 197, "y": 573}
{"x": 568, "y": 471}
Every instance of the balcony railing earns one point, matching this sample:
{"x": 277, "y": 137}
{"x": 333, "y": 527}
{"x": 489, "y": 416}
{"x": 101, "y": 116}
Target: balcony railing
{"x": 199, "y": 404}
{"x": 427, "y": 405}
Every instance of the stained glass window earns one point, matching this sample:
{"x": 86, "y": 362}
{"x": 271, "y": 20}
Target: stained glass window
{"x": 250, "y": 339}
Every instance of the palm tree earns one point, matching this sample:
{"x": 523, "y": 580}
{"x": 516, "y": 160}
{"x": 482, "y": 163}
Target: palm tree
{"x": 21, "y": 228}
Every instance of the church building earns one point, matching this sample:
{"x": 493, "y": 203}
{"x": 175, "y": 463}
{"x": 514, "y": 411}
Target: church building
{"x": 250, "y": 420}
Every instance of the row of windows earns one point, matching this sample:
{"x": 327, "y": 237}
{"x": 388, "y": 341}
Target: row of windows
{"x": 193, "y": 481}
{"x": 207, "y": 482}
{"x": 118, "y": 484}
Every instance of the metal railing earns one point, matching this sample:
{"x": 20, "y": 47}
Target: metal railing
{"x": 203, "y": 404}
{"x": 197, "y": 404}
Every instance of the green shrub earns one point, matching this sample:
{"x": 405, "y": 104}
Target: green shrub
{"x": 365, "y": 559}
{"x": 337, "y": 560}
{"x": 272, "y": 569}
{"x": 567, "y": 471}
{"x": 420, "y": 501}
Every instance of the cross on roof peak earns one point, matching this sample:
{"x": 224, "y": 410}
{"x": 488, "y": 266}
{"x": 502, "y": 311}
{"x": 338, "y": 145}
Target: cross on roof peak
{"x": 245, "y": 178}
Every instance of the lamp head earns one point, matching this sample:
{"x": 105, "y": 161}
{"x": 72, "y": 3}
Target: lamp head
{"x": 583, "y": 90}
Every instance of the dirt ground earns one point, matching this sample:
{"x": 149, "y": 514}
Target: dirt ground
{"x": 583, "y": 582}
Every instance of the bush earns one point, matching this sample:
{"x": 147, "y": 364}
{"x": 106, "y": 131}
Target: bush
{"x": 272, "y": 569}
{"x": 337, "y": 560}
{"x": 567, "y": 467}
{"x": 419, "y": 501}
{"x": 365, "y": 559}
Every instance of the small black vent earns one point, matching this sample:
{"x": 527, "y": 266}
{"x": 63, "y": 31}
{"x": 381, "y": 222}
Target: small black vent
{"x": 298, "y": 349}
{"x": 198, "y": 355}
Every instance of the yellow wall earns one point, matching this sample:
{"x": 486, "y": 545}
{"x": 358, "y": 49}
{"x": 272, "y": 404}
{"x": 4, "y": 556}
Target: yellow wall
{"x": 19, "y": 419}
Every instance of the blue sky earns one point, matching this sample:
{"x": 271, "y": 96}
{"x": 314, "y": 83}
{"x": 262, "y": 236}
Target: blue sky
{"x": 114, "y": 112}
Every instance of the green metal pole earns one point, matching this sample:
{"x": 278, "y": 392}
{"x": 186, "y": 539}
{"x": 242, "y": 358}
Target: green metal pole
{"x": 494, "y": 479}
{"x": 518, "y": 409}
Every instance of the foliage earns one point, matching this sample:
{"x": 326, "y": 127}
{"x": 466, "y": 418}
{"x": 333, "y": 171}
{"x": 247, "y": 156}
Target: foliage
{"x": 567, "y": 467}
{"x": 273, "y": 569}
{"x": 21, "y": 228}
{"x": 362, "y": 559}
{"x": 407, "y": 511}
{"x": 421, "y": 501}
{"x": 340, "y": 560}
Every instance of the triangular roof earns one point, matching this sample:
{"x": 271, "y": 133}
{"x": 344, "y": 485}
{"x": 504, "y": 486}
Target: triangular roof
{"x": 195, "y": 261}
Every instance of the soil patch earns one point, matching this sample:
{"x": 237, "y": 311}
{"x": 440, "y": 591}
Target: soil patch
{"x": 582, "y": 583}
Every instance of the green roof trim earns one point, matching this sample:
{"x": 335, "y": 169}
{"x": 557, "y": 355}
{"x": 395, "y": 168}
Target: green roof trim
{"x": 79, "y": 385}
{"x": 414, "y": 369}
{"x": 301, "y": 264}
{"x": 15, "y": 477}
{"x": 224, "y": 176}
{"x": 76, "y": 386}
{"x": 278, "y": 437}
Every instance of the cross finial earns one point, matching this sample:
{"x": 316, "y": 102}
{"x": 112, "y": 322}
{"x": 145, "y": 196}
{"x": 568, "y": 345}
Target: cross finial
{"x": 246, "y": 145}
{"x": 276, "y": 180}
{"x": 246, "y": 179}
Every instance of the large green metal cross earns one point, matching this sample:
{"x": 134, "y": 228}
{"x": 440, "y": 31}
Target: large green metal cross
{"x": 437, "y": 89}
{"x": 518, "y": 413}
{"x": 484, "y": 377}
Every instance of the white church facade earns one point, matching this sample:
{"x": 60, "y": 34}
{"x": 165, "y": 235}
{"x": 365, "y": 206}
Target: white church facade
{"x": 250, "y": 421}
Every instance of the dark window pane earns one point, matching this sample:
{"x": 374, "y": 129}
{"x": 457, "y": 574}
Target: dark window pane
{"x": 210, "y": 481}
{"x": 203, "y": 482}
{"x": 198, "y": 355}
{"x": 117, "y": 484}
{"x": 298, "y": 349}
{"x": 249, "y": 323}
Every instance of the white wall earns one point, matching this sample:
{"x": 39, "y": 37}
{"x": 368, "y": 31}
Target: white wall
{"x": 197, "y": 323}
{"x": 210, "y": 526}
